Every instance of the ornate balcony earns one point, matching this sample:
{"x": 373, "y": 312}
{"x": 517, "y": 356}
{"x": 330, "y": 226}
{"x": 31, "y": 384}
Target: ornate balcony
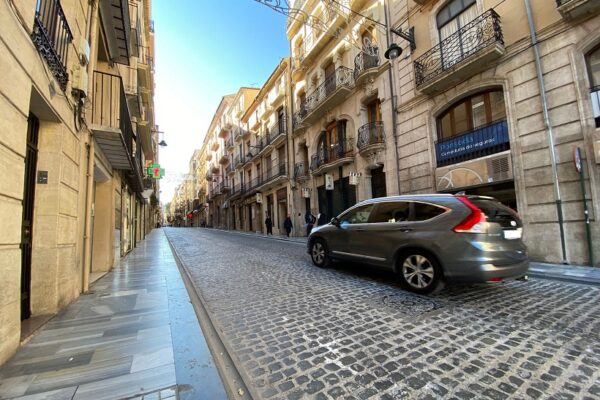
{"x": 480, "y": 142}
{"x": 225, "y": 186}
{"x": 576, "y": 9}
{"x": 252, "y": 186}
{"x": 224, "y": 158}
{"x": 274, "y": 176}
{"x": 298, "y": 117}
{"x": 229, "y": 170}
{"x": 366, "y": 65}
{"x": 277, "y": 132}
{"x": 461, "y": 55}
{"x": 239, "y": 161}
{"x": 371, "y": 138}
{"x": 214, "y": 168}
{"x": 338, "y": 154}
{"x": 51, "y": 36}
{"x": 301, "y": 171}
{"x": 229, "y": 143}
{"x": 329, "y": 94}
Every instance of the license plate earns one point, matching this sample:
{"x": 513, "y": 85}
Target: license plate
{"x": 513, "y": 234}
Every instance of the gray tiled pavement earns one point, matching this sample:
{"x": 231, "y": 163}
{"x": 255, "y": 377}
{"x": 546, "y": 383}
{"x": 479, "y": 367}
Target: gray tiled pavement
{"x": 117, "y": 341}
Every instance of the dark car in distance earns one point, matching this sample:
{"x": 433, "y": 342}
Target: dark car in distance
{"x": 427, "y": 239}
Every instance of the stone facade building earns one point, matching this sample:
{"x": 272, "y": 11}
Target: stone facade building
{"x": 471, "y": 111}
{"x": 467, "y": 108}
{"x": 76, "y": 99}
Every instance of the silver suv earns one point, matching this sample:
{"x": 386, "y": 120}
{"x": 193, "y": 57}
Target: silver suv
{"x": 427, "y": 239}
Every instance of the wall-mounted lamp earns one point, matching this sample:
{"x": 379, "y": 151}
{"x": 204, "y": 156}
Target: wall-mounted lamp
{"x": 394, "y": 51}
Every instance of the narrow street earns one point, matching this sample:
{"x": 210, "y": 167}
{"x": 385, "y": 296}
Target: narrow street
{"x": 299, "y": 332}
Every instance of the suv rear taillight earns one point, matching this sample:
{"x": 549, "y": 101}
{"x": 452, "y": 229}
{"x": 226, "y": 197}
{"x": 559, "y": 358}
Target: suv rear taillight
{"x": 475, "y": 222}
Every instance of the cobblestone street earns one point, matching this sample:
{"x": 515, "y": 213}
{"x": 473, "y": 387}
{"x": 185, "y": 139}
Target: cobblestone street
{"x": 299, "y": 332}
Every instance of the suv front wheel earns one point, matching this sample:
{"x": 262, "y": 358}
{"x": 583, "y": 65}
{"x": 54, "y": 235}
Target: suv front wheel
{"x": 318, "y": 253}
{"x": 420, "y": 272}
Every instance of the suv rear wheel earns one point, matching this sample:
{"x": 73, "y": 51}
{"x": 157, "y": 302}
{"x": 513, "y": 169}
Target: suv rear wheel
{"x": 420, "y": 272}
{"x": 318, "y": 253}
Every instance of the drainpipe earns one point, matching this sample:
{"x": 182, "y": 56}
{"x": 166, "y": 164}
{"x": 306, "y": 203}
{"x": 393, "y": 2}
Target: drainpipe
{"x": 548, "y": 126}
{"x": 87, "y": 245}
{"x": 392, "y": 95}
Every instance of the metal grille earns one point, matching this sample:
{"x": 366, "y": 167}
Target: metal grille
{"x": 483, "y": 31}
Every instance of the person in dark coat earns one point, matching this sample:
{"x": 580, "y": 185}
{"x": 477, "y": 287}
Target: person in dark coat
{"x": 287, "y": 224}
{"x": 269, "y": 224}
{"x": 310, "y": 221}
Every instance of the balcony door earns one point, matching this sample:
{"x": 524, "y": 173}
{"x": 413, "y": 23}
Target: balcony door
{"x": 457, "y": 39}
{"x": 330, "y": 81}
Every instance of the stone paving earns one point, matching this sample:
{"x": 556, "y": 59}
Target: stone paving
{"x": 299, "y": 332}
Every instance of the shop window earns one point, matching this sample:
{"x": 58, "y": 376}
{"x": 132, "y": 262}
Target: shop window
{"x": 472, "y": 113}
{"x": 593, "y": 65}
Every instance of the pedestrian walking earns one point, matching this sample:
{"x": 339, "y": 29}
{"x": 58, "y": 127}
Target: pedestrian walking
{"x": 310, "y": 220}
{"x": 287, "y": 224}
{"x": 269, "y": 224}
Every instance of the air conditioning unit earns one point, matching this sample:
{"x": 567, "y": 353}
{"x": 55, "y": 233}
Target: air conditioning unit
{"x": 80, "y": 80}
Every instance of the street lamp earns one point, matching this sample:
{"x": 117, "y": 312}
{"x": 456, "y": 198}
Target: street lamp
{"x": 394, "y": 51}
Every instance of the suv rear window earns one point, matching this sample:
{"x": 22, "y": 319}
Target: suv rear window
{"x": 423, "y": 212}
{"x": 497, "y": 212}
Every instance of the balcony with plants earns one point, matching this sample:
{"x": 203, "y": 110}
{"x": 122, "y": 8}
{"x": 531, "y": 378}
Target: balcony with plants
{"x": 461, "y": 55}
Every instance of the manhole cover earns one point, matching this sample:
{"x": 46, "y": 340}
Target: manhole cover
{"x": 411, "y": 304}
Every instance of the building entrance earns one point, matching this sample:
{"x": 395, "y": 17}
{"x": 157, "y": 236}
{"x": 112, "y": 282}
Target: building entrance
{"x": 33, "y": 125}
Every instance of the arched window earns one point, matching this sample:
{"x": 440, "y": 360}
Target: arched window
{"x": 593, "y": 66}
{"x": 471, "y": 113}
{"x": 451, "y": 18}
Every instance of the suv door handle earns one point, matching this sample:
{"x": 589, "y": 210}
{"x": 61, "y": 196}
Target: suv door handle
{"x": 404, "y": 229}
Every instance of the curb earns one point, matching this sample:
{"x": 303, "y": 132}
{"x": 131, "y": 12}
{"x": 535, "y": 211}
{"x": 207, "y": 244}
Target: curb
{"x": 233, "y": 382}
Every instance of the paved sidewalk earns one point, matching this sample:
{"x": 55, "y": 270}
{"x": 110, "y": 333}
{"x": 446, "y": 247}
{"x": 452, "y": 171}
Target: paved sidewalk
{"x": 568, "y": 273}
{"x": 134, "y": 335}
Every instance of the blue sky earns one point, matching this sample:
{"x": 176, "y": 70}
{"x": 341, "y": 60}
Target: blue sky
{"x": 206, "y": 49}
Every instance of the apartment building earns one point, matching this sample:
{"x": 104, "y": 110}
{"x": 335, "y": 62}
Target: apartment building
{"x": 343, "y": 122}
{"x": 77, "y": 116}
{"x": 471, "y": 111}
{"x": 225, "y": 152}
{"x": 263, "y": 169}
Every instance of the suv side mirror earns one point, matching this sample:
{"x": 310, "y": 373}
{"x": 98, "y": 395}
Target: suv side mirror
{"x": 336, "y": 222}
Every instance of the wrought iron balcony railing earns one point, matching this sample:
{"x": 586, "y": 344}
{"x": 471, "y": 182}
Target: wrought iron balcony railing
{"x": 299, "y": 115}
{"x": 478, "y": 34}
{"x": 239, "y": 161}
{"x": 229, "y": 141}
{"x": 335, "y": 152}
{"x": 276, "y": 129}
{"x": 254, "y": 183}
{"x": 274, "y": 172}
{"x": 52, "y": 36}
{"x": 365, "y": 60}
{"x": 483, "y": 141}
{"x": 301, "y": 170}
{"x": 369, "y": 134}
{"x": 342, "y": 77}
{"x": 237, "y": 189}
